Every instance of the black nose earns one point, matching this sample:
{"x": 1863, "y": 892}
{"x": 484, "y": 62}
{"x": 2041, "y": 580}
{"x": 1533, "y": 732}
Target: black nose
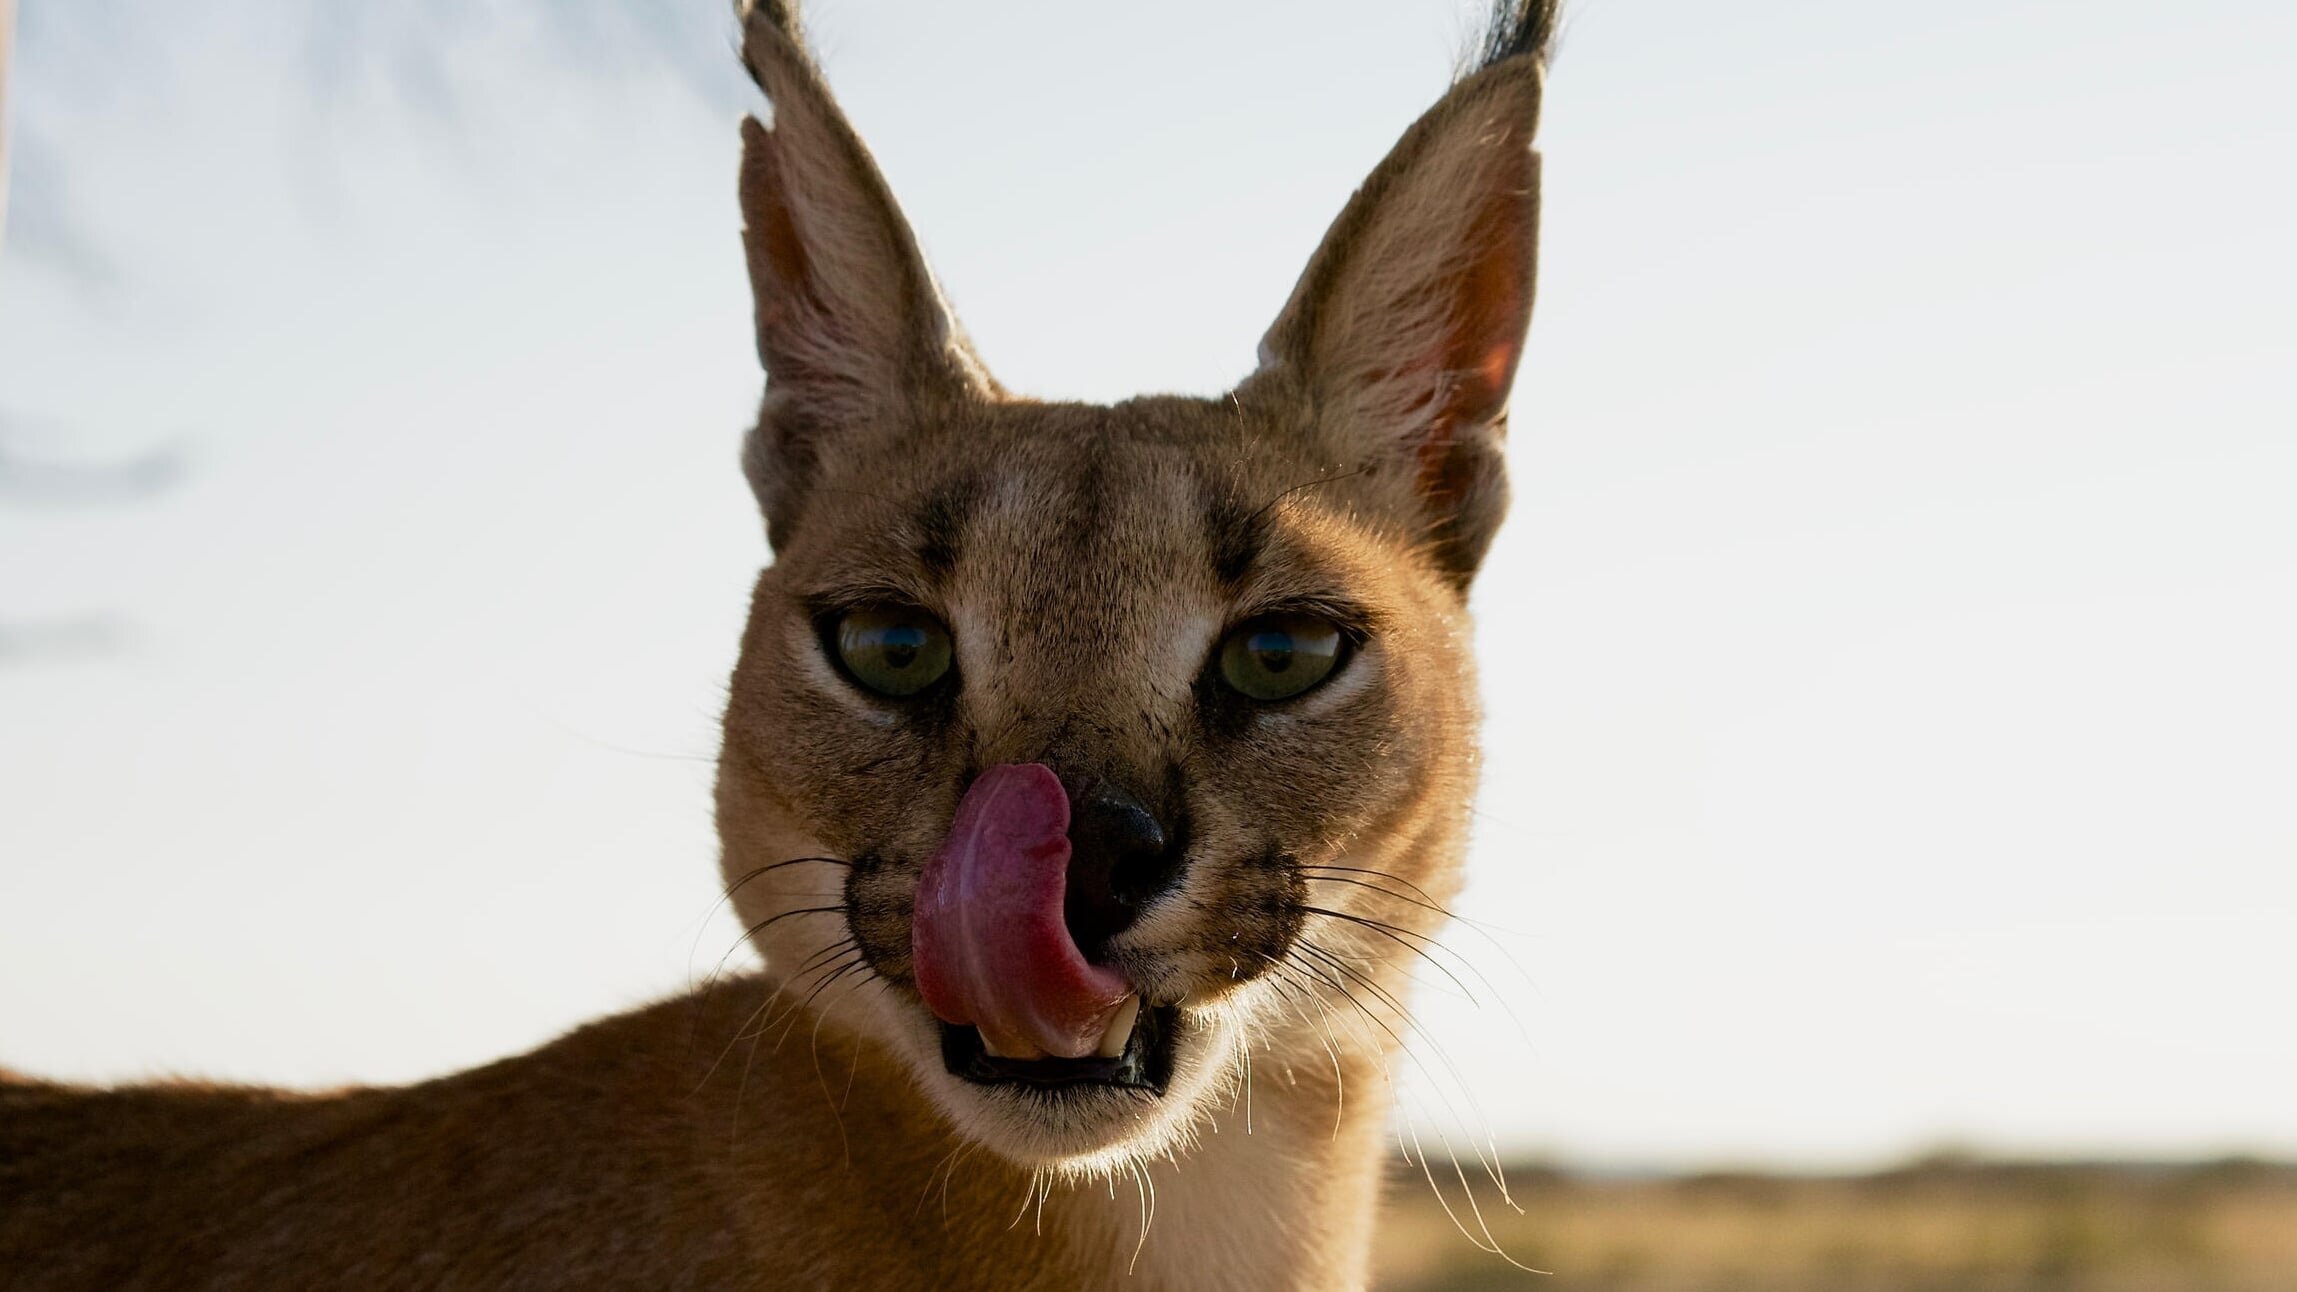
{"x": 1120, "y": 856}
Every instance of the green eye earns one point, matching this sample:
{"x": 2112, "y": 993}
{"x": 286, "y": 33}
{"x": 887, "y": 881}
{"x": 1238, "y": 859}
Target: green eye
{"x": 1276, "y": 657}
{"x": 892, "y": 650}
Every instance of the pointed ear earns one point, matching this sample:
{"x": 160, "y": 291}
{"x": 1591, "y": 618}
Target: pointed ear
{"x": 1404, "y": 332}
{"x": 855, "y": 338}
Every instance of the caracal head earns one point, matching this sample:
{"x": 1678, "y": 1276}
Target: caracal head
{"x": 1114, "y": 730}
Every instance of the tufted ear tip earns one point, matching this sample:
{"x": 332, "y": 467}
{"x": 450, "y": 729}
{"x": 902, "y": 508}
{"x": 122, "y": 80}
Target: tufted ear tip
{"x": 851, "y": 329}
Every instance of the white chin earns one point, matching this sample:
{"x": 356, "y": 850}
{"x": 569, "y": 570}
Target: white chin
{"x": 1082, "y": 1128}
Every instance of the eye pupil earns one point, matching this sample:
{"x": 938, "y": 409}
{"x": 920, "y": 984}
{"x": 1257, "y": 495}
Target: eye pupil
{"x": 899, "y": 646}
{"x": 1273, "y": 650}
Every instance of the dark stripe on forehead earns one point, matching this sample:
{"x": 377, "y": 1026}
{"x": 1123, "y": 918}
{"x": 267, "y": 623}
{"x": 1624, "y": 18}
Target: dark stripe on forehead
{"x": 1236, "y": 532}
{"x": 941, "y": 521}
{"x": 1088, "y": 521}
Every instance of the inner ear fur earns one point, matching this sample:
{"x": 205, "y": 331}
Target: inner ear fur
{"x": 853, "y": 333}
{"x": 1404, "y": 332}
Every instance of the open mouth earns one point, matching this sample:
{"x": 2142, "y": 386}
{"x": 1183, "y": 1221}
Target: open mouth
{"x": 1135, "y": 1054}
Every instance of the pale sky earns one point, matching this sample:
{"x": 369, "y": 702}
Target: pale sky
{"x": 1892, "y": 727}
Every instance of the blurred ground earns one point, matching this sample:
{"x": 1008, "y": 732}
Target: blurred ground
{"x": 1944, "y": 1224}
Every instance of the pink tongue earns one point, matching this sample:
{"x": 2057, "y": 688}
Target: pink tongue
{"x": 990, "y": 945}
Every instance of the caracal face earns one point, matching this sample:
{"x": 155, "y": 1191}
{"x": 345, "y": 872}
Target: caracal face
{"x": 1075, "y": 753}
{"x": 1087, "y": 566}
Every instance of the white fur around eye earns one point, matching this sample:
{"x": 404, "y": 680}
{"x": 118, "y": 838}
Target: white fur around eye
{"x": 823, "y": 676}
{"x": 1194, "y": 639}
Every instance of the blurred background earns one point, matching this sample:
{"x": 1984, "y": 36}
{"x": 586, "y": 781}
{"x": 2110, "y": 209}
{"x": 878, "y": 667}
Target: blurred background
{"x": 1886, "y": 874}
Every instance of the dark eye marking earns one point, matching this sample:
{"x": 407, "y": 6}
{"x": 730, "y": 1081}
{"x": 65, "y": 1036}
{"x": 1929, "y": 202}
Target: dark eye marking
{"x": 941, "y": 521}
{"x": 1239, "y": 529}
{"x": 1235, "y": 532}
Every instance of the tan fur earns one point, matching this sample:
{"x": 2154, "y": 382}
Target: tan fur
{"x": 638, "y": 1152}
{"x": 801, "y": 1129}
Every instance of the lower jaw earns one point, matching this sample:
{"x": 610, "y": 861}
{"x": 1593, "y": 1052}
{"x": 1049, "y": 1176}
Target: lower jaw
{"x": 1144, "y": 1068}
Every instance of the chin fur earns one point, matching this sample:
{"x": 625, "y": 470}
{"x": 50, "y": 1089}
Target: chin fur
{"x": 1081, "y": 1133}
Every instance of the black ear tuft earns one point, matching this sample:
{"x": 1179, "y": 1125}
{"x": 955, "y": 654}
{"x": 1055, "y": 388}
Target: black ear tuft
{"x": 1518, "y": 29}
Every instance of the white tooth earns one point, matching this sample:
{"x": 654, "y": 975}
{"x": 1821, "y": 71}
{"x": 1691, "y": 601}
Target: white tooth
{"x": 1120, "y": 1028}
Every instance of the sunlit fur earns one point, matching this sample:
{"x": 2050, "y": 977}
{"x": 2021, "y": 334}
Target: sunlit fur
{"x": 800, "y": 1128}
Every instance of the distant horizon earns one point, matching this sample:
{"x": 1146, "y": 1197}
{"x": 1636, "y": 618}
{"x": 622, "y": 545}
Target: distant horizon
{"x": 1951, "y": 1159}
